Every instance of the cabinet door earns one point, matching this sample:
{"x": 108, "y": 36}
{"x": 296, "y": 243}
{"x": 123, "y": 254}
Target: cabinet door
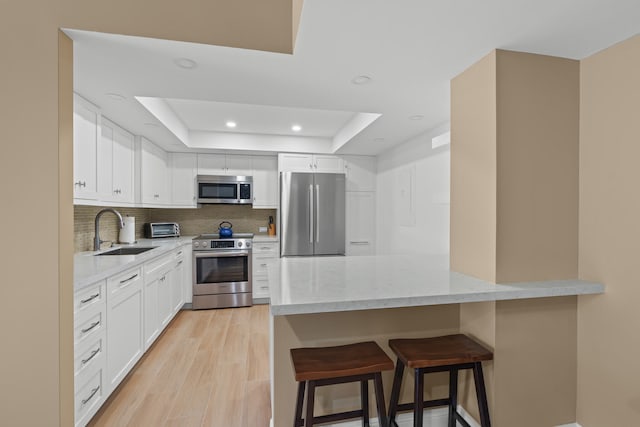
{"x": 123, "y": 155}
{"x": 288, "y": 162}
{"x": 360, "y": 173}
{"x": 154, "y": 177}
{"x": 238, "y": 165}
{"x": 124, "y": 325}
{"x": 183, "y": 179}
{"x": 177, "y": 285}
{"x": 151, "y": 318}
{"x": 327, "y": 164}
{"x": 164, "y": 298}
{"x": 360, "y": 231}
{"x": 265, "y": 182}
{"x": 212, "y": 164}
{"x": 86, "y": 125}
{"x": 105, "y": 162}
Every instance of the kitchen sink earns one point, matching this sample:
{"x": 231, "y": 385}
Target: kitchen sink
{"x": 127, "y": 251}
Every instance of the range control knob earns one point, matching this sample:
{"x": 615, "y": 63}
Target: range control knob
{"x": 240, "y": 244}
{"x": 248, "y": 244}
{"x": 196, "y": 244}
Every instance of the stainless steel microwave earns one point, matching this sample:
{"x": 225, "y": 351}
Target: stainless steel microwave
{"x": 225, "y": 189}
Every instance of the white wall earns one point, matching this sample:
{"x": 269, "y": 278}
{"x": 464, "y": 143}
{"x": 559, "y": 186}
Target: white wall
{"x": 413, "y": 197}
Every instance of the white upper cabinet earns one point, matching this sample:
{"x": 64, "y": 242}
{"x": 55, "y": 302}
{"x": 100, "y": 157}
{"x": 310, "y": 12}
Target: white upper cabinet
{"x": 153, "y": 174}
{"x": 360, "y": 173}
{"x": 184, "y": 167}
{"x": 224, "y": 164}
{"x": 116, "y": 164}
{"x": 86, "y": 131}
{"x": 265, "y": 182}
{"x": 290, "y": 162}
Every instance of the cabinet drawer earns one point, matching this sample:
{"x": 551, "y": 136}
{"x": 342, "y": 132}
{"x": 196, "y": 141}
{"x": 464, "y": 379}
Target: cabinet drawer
{"x": 260, "y": 265}
{"x": 89, "y": 327}
{"x": 119, "y": 283}
{"x": 89, "y": 299}
{"x": 89, "y": 395}
{"x": 90, "y": 355}
{"x": 158, "y": 267}
{"x": 262, "y": 248}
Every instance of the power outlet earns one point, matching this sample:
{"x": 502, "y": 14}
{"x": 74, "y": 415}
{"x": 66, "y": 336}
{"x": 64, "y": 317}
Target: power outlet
{"x": 262, "y": 229}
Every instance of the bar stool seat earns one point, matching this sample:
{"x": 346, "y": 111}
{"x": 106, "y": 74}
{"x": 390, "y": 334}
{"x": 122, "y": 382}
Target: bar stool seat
{"x": 321, "y": 366}
{"x": 446, "y": 353}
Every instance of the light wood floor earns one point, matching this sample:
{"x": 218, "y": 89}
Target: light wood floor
{"x": 209, "y": 368}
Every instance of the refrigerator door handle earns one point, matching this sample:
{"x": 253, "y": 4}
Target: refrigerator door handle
{"x": 317, "y": 213}
{"x": 310, "y": 213}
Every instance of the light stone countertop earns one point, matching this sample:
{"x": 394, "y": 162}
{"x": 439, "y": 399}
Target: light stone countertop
{"x": 88, "y": 268}
{"x": 305, "y": 285}
{"x": 265, "y": 238}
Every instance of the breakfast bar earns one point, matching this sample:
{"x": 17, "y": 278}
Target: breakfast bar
{"x": 320, "y": 301}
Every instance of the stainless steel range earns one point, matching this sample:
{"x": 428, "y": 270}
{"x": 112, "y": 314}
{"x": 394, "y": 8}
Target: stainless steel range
{"x": 222, "y": 271}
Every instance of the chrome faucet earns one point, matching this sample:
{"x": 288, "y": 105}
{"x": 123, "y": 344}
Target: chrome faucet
{"x": 97, "y": 241}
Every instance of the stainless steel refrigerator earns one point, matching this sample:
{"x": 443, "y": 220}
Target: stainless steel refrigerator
{"x": 312, "y": 214}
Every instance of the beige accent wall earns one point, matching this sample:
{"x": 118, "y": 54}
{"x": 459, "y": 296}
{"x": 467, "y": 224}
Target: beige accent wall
{"x": 349, "y": 327}
{"x": 537, "y": 167}
{"x": 192, "y": 222}
{"x": 608, "y": 340}
{"x": 473, "y": 170}
{"x": 514, "y": 218}
{"x": 35, "y": 165}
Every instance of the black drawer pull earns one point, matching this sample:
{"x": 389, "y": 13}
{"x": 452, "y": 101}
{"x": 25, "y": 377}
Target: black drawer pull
{"x": 93, "y": 393}
{"x": 91, "y": 298}
{"x": 84, "y": 331}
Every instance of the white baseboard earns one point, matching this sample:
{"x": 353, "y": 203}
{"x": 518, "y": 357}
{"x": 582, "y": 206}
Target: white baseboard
{"x": 570, "y": 425}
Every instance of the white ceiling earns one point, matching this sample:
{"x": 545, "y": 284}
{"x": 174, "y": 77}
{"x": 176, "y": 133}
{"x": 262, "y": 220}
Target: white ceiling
{"x": 410, "y": 49}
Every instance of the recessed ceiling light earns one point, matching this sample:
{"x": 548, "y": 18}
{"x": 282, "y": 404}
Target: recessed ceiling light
{"x": 360, "y": 80}
{"x": 186, "y": 63}
{"x": 231, "y": 124}
{"x": 296, "y": 128}
{"x": 116, "y": 96}
{"x": 416, "y": 117}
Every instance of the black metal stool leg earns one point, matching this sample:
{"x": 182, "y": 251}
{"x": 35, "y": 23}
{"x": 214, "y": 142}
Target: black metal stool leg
{"x": 364, "y": 398}
{"x": 382, "y": 411}
{"x": 311, "y": 395}
{"x": 453, "y": 396}
{"x": 395, "y": 392}
{"x": 297, "y": 421}
{"x": 418, "y": 398}
{"x": 481, "y": 392}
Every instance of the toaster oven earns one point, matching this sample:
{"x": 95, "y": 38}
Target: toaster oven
{"x": 154, "y": 230}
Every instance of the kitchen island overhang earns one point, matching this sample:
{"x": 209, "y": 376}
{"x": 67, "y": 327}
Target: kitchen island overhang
{"x": 336, "y": 300}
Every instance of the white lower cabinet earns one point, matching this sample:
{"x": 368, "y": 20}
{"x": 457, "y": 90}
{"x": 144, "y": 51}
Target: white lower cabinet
{"x": 89, "y": 351}
{"x": 263, "y": 254}
{"x": 124, "y": 324}
{"x": 116, "y": 320}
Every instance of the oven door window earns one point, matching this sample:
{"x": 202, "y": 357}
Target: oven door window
{"x": 222, "y": 269}
{"x": 217, "y": 191}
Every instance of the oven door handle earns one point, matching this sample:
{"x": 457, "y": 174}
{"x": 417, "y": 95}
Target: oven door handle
{"x": 215, "y": 254}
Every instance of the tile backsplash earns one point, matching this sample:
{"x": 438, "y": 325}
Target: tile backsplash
{"x": 192, "y": 222}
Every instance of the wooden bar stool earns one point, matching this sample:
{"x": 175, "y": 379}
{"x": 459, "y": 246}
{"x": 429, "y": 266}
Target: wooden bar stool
{"x": 320, "y": 366}
{"x": 447, "y": 353}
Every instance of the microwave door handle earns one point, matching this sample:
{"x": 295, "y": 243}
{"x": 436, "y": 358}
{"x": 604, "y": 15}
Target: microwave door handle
{"x": 310, "y": 213}
{"x": 317, "y": 213}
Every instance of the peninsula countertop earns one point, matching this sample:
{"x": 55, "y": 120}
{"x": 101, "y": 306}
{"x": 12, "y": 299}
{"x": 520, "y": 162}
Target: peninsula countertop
{"x": 304, "y": 285}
